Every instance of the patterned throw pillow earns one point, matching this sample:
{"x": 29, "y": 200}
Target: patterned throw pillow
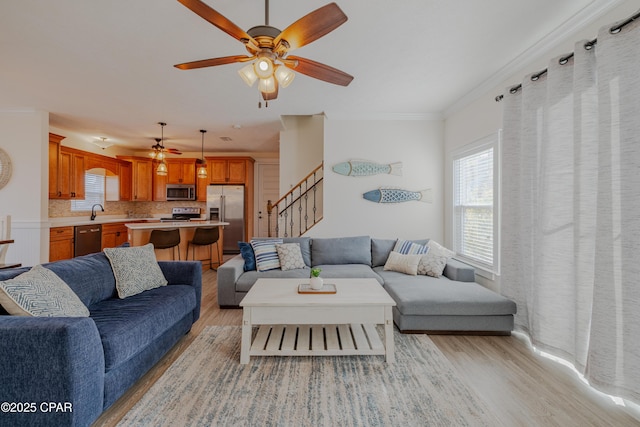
{"x": 407, "y": 247}
{"x": 432, "y": 265}
{"x": 248, "y": 256}
{"x": 266, "y": 253}
{"x": 435, "y": 260}
{"x": 403, "y": 263}
{"x": 136, "y": 269}
{"x": 40, "y": 292}
{"x": 290, "y": 256}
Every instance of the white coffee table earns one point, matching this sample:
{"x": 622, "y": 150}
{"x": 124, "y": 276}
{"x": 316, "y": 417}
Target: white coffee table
{"x": 296, "y": 324}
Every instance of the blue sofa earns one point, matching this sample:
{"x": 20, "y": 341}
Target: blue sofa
{"x": 65, "y": 371}
{"x": 452, "y": 303}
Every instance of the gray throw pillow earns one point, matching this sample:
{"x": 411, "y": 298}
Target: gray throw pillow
{"x": 40, "y": 292}
{"x": 135, "y": 269}
{"x": 341, "y": 250}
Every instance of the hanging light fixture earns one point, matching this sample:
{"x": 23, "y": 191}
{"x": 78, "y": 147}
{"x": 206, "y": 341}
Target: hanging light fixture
{"x": 162, "y": 167}
{"x": 202, "y": 169}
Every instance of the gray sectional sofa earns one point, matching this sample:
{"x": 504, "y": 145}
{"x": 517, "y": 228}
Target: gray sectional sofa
{"x": 452, "y": 303}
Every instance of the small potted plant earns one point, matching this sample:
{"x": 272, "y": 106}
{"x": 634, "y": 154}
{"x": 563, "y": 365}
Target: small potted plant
{"x": 316, "y": 281}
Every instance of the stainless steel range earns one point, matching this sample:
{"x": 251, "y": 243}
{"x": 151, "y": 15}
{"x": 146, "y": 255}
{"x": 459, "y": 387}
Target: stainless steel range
{"x": 182, "y": 214}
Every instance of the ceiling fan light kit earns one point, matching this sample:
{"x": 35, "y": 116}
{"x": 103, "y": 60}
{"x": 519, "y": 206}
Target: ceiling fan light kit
{"x": 202, "y": 169}
{"x": 162, "y": 167}
{"x": 269, "y": 47}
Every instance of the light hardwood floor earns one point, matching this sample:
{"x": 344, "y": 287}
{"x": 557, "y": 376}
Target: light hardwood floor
{"x": 523, "y": 388}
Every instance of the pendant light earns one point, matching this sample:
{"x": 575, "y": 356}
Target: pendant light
{"x": 162, "y": 167}
{"x": 202, "y": 169}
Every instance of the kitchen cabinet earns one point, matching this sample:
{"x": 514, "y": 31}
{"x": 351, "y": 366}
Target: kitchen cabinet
{"x": 54, "y": 158}
{"x": 160, "y": 187}
{"x": 60, "y": 243}
{"x": 141, "y": 178}
{"x": 125, "y": 175}
{"x": 114, "y": 234}
{"x": 71, "y": 170}
{"x": 201, "y": 189}
{"x": 181, "y": 171}
{"x": 228, "y": 170}
{"x": 66, "y": 170}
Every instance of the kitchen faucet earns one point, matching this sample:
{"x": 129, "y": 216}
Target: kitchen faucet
{"x": 93, "y": 210}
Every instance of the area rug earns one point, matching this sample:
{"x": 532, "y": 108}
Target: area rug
{"x": 207, "y": 386}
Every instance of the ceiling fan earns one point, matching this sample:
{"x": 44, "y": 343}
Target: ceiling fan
{"x": 158, "y": 148}
{"x": 269, "y": 47}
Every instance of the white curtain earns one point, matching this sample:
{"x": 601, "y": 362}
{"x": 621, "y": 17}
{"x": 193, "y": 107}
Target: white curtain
{"x": 571, "y": 210}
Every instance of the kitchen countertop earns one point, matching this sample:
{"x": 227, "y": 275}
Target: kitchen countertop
{"x": 100, "y": 219}
{"x": 174, "y": 224}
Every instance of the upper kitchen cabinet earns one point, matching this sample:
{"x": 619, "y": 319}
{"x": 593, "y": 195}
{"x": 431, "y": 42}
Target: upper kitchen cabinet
{"x": 66, "y": 170}
{"x": 125, "y": 173}
{"x": 141, "y": 179}
{"x": 54, "y": 160}
{"x": 229, "y": 170}
{"x": 181, "y": 171}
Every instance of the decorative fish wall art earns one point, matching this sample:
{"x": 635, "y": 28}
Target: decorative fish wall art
{"x": 397, "y": 195}
{"x": 366, "y": 168}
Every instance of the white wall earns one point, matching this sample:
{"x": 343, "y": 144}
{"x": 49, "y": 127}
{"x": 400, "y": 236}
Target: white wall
{"x": 415, "y": 143}
{"x": 301, "y": 146}
{"x": 24, "y": 135}
{"x": 483, "y": 116}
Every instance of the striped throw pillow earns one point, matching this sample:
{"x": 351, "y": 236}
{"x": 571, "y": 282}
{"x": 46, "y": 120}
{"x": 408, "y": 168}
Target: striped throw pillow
{"x": 266, "y": 253}
{"x": 407, "y": 247}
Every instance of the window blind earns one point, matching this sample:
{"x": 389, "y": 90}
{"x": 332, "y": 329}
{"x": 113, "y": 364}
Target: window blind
{"x": 473, "y": 206}
{"x": 94, "y": 188}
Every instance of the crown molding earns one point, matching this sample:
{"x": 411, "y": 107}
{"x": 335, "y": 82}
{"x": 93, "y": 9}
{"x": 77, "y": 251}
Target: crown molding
{"x": 386, "y": 116}
{"x": 542, "y": 47}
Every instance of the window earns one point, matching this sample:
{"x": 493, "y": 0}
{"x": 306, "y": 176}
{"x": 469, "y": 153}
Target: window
{"x": 475, "y": 203}
{"x": 94, "y": 189}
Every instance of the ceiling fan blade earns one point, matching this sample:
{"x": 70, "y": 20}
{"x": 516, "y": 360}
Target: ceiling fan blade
{"x": 214, "y": 61}
{"x": 204, "y": 11}
{"x": 312, "y": 26}
{"x": 318, "y": 71}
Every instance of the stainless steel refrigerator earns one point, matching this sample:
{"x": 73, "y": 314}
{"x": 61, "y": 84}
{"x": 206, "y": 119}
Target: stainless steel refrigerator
{"x": 226, "y": 203}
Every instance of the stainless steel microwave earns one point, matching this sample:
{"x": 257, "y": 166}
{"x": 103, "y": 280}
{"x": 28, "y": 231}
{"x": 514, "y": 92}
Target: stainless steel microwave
{"x": 181, "y": 192}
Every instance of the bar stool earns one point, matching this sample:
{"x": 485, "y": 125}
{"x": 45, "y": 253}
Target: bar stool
{"x": 166, "y": 239}
{"x": 205, "y": 236}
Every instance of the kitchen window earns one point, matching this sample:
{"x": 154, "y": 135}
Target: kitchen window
{"x": 94, "y": 191}
{"x": 475, "y": 204}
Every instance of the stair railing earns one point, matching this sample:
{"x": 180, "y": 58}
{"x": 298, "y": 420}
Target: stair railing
{"x": 299, "y": 209}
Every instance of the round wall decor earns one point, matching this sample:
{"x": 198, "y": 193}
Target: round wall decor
{"x": 5, "y": 168}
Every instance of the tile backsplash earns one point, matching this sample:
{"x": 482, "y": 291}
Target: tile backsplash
{"x": 62, "y": 208}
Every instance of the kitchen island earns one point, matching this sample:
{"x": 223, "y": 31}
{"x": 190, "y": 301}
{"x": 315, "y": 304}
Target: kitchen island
{"x": 139, "y": 233}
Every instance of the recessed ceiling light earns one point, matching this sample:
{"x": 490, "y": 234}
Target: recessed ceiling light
{"x": 237, "y": 126}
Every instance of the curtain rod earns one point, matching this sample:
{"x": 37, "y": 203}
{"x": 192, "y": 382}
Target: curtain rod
{"x": 563, "y": 60}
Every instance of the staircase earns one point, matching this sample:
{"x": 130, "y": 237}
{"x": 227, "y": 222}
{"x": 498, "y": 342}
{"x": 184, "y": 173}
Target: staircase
{"x": 298, "y": 210}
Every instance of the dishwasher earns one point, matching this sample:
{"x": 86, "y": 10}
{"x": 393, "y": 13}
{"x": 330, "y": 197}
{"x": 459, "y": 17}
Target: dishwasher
{"x": 87, "y": 239}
